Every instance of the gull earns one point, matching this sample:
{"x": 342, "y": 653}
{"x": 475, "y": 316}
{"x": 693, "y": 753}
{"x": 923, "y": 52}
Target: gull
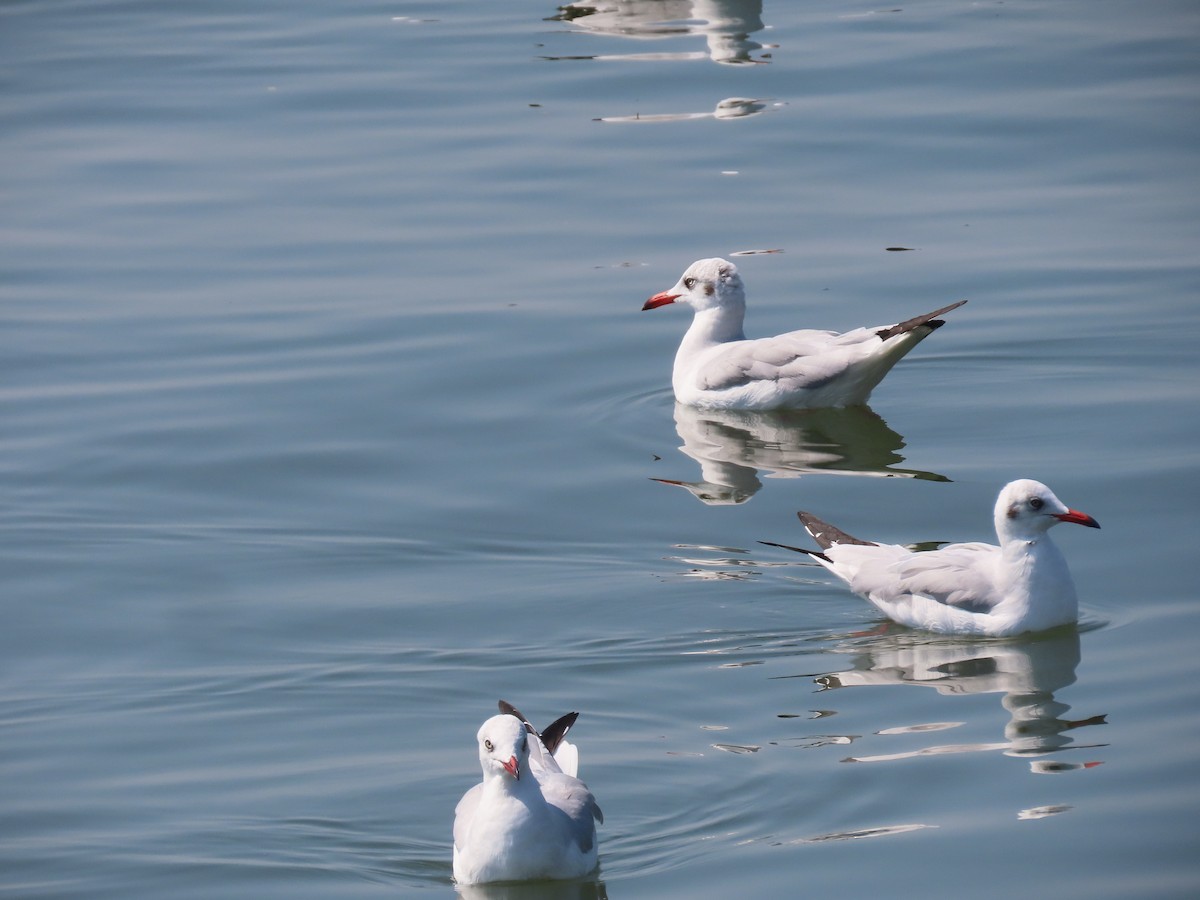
{"x": 531, "y": 817}
{"x": 976, "y": 588}
{"x": 717, "y": 367}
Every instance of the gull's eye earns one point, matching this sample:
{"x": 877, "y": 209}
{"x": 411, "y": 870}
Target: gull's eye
{"x": 488, "y": 746}
{"x": 525, "y": 745}
{"x": 1036, "y": 503}
{"x": 689, "y": 282}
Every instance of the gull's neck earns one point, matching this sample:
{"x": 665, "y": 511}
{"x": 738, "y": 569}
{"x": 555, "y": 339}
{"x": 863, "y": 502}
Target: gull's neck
{"x": 1024, "y": 552}
{"x": 1015, "y": 548}
{"x": 716, "y": 325}
{"x": 498, "y": 782}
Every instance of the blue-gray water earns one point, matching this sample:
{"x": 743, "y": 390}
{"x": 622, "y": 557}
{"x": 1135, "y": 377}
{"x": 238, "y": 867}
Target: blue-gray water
{"x": 330, "y": 416}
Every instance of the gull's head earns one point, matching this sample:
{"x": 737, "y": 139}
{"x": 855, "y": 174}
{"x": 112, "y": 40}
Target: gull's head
{"x": 503, "y": 747}
{"x": 1026, "y": 508}
{"x": 707, "y": 283}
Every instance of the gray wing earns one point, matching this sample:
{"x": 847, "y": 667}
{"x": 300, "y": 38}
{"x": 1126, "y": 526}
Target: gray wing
{"x": 959, "y": 575}
{"x": 575, "y": 800}
{"x": 807, "y": 356}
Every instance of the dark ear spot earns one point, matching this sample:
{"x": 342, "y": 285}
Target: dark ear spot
{"x": 1013, "y": 512}
{"x": 708, "y": 288}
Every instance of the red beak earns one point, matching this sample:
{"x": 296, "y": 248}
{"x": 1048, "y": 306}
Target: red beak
{"x": 660, "y": 300}
{"x": 1074, "y": 515}
{"x": 513, "y": 768}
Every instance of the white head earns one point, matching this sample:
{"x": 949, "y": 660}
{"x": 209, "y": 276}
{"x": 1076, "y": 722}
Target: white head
{"x": 503, "y": 747}
{"x": 707, "y": 284}
{"x": 1026, "y": 508}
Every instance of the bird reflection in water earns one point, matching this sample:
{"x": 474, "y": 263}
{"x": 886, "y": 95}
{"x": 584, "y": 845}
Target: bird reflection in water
{"x": 729, "y": 108}
{"x": 733, "y": 446}
{"x": 534, "y": 890}
{"x": 1027, "y": 671}
{"x": 726, "y": 26}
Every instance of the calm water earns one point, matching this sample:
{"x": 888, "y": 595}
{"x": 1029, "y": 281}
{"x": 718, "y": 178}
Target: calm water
{"x": 330, "y": 417}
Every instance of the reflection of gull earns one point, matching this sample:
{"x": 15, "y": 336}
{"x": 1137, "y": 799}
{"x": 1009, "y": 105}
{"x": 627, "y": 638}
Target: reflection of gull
{"x": 1027, "y": 672}
{"x": 535, "y": 890}
{"x": 732, "y": 445}
{"x": 725, "y": 24}
{"x": 729, "y": 108}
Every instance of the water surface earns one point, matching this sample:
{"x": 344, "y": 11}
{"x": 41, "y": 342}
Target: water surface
{"x": 331, "y": 417}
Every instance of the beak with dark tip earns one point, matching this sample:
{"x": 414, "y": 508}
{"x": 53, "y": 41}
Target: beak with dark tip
{"x": 513, "y": 768}
{"x": 1074, "y": 515}
{"x": 660, "y": 300}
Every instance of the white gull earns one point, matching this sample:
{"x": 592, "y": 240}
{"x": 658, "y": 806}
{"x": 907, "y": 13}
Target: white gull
{"x": 717, "y": 367}
{"x": 1021, "y": 585}
{"x": 531, "y": 817}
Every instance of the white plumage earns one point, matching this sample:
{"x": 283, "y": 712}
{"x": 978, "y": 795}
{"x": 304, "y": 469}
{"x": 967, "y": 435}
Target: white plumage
{"x": 531, "y": 817}
{"x": 1021, "y": 585}
{"x": 717, "y": 367}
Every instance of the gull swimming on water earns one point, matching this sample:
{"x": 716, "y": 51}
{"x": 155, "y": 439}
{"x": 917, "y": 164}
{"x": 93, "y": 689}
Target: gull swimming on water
{"x": 716, "y": 366}
{"x": 1021, "y": 585}
{"x": 531, "y": 817}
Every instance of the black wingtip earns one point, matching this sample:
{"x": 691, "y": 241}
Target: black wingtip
{"x": 929, "y": 320}
{"x": 554, "y": 733}
{"x": 507, "y": 709}
{"x": 827, "y": 535}
{"x": 816, "y": 553}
